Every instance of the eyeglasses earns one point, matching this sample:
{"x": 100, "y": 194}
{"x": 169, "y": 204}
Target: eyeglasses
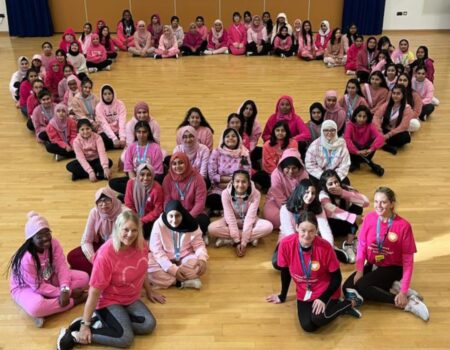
{"x": 104, "y": 201}
{"x": 329, "y": 131}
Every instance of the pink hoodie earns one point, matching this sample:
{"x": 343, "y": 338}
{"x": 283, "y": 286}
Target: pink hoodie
{"x": 408, "y": 114}
{"x": 425, "y": 89}
{"x": 352, "y": 57}
{"x": 40, "y": 118}
{"x": 336, "y": 212}
{"x": 299, "y": 130}
{"x": 129, "y": 130}
{"x": 362, "y": 135}
{"x": 153, "y": 205}
{"x": 90, "y": 149}
{"x": 96, "y": 53}
{"x": 112, "y": 117}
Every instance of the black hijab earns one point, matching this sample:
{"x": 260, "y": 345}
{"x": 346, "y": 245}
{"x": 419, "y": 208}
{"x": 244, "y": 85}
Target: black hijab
{"x": 188, "y": 223}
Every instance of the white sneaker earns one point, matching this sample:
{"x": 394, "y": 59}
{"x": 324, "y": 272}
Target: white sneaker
{"x": 220, "y": 242}
{"x": 350, "y": 72}
{"x": 255, "y": 243}
{"x": 195, "y": 284}
{"x": 417, "y": 307}
{"x": 38, "y": 322}
{"x": 435, "y": 101}
{"x": 226, "y": 52}
{"x": 58, "y": 157}
{"x": 207, "y": 52}
{"x": 249, "y": 53}
{"x": 349, "y": 249}
{"x": 283, "y": 55}
{"x": 330, "y": 65}
{"x": 206, "y": 239}
{"x": 396, "y": 286}
{"x": 176, "y": 56}
{"x": 108, "y": 68}
{"x": 92, "y": 69}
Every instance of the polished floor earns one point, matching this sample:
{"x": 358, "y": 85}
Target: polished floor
{"x": 230, "y": 311}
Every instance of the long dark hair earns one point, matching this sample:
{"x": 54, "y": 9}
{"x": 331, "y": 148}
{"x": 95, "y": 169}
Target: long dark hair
{"x": 383, "y": 40}
{"x": 365, "y": 109}
{"x": 249, "y": 189}
{"x": 248, "y": 122}
{"x": 305, "y": 33}
{"x": 241, "y": 119}
{"x": 352, "y": 37}
{"x": 381, "y": 76}
{"x": 269, "y": 24}
{"x": 387, "y": 113}
{"x": 408, "y": 89}
{"x": 203, "y": 121}
{"x": 145, "y": 125}
{"x": 226, "y": 132}
{"x": 105, "y": 40}
{"x": 15, "y": 264}
{"x": 357, "y": 84}
{"x": 126, "y": 23}
{"x": 333, "y": 36}
{"x": 83, "y": 35}
{"x": 390, "y": 65}
{"x": 387, "y": 56}
{"x": 295, "y": 201}
{"x": 273, "y": 139}
{"x": 327, "y": 174}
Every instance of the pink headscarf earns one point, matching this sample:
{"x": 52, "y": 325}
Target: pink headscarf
{"x": 155, "y": 29}
{"x": 188, "y": 170}
{"x": 216, "y": 35}
{"x": 140, "y": 192}
{"x": 258, "y": 29}
{"x": 191, "y": 152}
{"x": 142, "y": 105}
{"x": 337, "y": 107}
{"x": 169, "y": 39}
{"x": 58, "y": 124}
{"x": 34, "y": 224}
{"x": 105, "y": 225}
{"x": 95, "y": 36}
{"x": 142, "y": 33}
{"x": 278, "y": 113}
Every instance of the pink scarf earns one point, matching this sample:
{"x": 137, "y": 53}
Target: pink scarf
{"x": 106, "y": 224}
{"x": 258, "y": 29}
{"x": 216, "y": 35}
{"x": 240, "y": 150}
{"x": 140, "y": 192}
{"x": 168, "y": 40}
{"x": 291, "y": 114}
{"x": 191, "y": 152}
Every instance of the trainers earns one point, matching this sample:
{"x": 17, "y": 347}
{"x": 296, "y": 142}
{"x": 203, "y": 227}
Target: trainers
{"x": 207, "y": 52}
{"x": 92, "y": 70}
{"x": 255, "y": 243}
{"x": 227, "y": 52}
{"x": 349, "y": 249}
{"x": 108, "y": 67}
{"x": 195, "y": 284}
{"x": 206, "y": 239}
{"x": 390, "y": 149}
{"x": 417, "y": 307}
{"x": 351, "y": 311}
{"x": 353, "y": 295}
{"x": 423, "y": 117}
{"x": 75, "y": 324}
{"x": 157, "y": 57}
{"x": 58, "y": 157}
{"x": 341, "y": 255}
{"x": 220, "y": 242}
{"x": 249, "y": 53}
{"x": 283, "y": 55}
{"x": 354, "y": 167}
{"x": 65, "y": 341}
{"x": 377, "y": 169}
{"x": 38, "y": 322}
{"x": 396, "y": 286}
{"x": 350, "y": 72}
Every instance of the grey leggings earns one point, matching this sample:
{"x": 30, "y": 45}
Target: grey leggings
{"x": 120, "y": 323}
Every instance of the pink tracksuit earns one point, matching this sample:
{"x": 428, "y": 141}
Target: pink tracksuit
{"x": 237, "y": 34}
{"x": 84, "y": 107}
{"x": 408, "y": 114}
{"x": 162, "y": 265}
{"x": 240, "y": 221}
{"x": 122, "y": 41}
{"x": 166, "y": 44}
{"x": 58, "y": 138}
{"x": 349, "y": 104}
{"x": 374, "y": 98}
{"x": 42, "y": 299}
{"x": 90, "y": 149}
{"x": 40, "y": 118}
{"x": 281, "y": 188}
{"x": 306, "y": 49}
{"x": 352, "y": 57}
{"x": 425, "y": 89}
{"x": 365, "y": 136}
{"x": 112, "y": 118}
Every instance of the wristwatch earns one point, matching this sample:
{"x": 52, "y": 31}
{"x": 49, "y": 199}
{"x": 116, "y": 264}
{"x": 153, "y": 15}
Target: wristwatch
{"x": 65, "y": 289}
{"x": 85, "y": 323}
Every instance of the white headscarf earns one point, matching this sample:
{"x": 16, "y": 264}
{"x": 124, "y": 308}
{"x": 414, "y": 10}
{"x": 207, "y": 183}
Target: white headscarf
{"x": 336, "y": 142}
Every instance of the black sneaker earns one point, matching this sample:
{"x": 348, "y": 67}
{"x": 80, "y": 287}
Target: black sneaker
{"x": 354, "y": 167}
{"x": 390, "y": 149}
{"x": 65, "y": 340}
{"x": 378, "y": 169}
{"x": 351, "y": 311}
{"x": 353, "y": 295}
{"x": 341, "y": 255}
{"x": 75, "y": 324}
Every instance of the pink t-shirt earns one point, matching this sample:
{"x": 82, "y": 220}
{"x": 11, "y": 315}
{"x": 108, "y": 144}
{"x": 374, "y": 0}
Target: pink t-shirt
{"x": 399, "y": 241}
{"x": 120, "y": 276}
{"x": 324, "y": 262}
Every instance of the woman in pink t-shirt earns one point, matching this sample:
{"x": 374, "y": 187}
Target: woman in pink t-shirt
{"x": 385, "y": 259}
{"x": 119, "y": 273}
{"x": 312, "y": 263}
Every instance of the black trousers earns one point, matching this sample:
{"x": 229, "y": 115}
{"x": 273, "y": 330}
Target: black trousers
{"x": 362, "y": 76}
{"x": 279, "y": 52}
{"x": 43, "y": 136}
{"x": 214, "y": 202}
{"x": 187, "y": 51}
{"x": 311, "y": 322}
{"x": 203, "y": 221}
{"x": 255, "y": 158}
{"x": 99, "y": 65}
{"x": 426, "y": 111}
{"x": 53, "y": 148}
{"x": 341, "y": 227}
{"x": 79, "y": 173}
{"x": 356, "y": 159}
{"x": 147, "y": 229}
{"x": 399, "y": 140}
{"x": 30, "y": 125}
{"x": 119, "y": 184}
{"x": 112, "y": 55}
{"x": 109, "y": 144}
{"x": 375, "y": 284}
{"x": 251, "y": 47}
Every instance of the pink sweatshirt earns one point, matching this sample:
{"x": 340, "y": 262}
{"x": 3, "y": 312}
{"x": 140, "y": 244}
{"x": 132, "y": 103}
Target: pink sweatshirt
{"x": 32, "y": 103}
{"x": 84, "y": 108}
{"x": 254, "y": 137}
{"x": 204, "y": 135}
{"x": 316, "y": 162}
{"x": 398, "y": 248}
{"x": 364, "y": 60}
{"x": 90, "y": 149}
{"x": 352, "y": 57}
{"x": 40, "y": 118}
{"x": 337, "y": 115}
{"x": 237, "y": 34}
{"x": 350, "y": 197}
{"x": 162, "y": 247}
{"x": 195, "y": 196}
{"x": 193, "y": 41}
{"x": 200, "y": 162}
{"x": 349, "y": 105}
{"x": 129, "y": 130}
{"x": 283, "y": 44}
{"x": 374, "y": 98}
{"x": 153, "y": 156}
{"x": 203, "y": 30}
{"x": 112, "y": 118}
{"x": 408, "y": 114}
{"x": 223, "y": 41}
{"x": 364, "y": 136}
{"x": 318, "y": 44}
{"x": 425, "y": 89}
{"x": 96, "y": 54}
{"x": 58, "y": 138}
{"x": 252, "y": 36}
{"x": 30, "y": 276}
{"x": 271, "y": 154}
{"x": 240, "y": 216}
{"x": 24, "y": 92}
{"x": 153, "y": 206}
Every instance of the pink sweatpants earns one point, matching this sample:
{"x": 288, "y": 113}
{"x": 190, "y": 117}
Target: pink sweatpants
{"x": 237, "y": 51}
{"x": 220, "y": 229}
{"x": 271, "y": 212}
{"x": 306, "y": 54}
{"x": 162, "y": 279}
{"x": 37, "y": 305}
{"x": 172, "y": 52}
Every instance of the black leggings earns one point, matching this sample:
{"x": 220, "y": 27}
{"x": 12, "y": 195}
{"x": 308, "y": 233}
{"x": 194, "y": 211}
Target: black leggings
{"x": 109, "y": 144}
{"x": 99, "y": 65}
{"x": 111, "y": 55}
{"x": 53, "y": 148}
{"x": 279, "y": 52}
{"x": 214, "y": 202}
{"x": 341, "y": 227}
{"x": 79, "y": 173}
{"x": 203, "y": 221}
{"x": 187, "y": 51}
{"x": 43, "y": 136}
{"x": 310, "y": 322}
{"x": 399, "y": 140}
{"x": 426, "y": 111}
{"x": 30, "y": 125}
{"x": 362, "y": 76}
{"x": 147, "y": 229}
{"x": 119, "y": 184}
{"x": 251, "y": 47}
{"x": 375, "y": 285}
{"x": 357, "y": 159}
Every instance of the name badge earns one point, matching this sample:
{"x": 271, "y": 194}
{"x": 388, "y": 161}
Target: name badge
{"x": 379, "y": 258}
{"x": 307, "y": 295}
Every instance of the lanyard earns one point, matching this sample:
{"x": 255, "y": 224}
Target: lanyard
{"x": 89, "y": 107}
{"x": 48, "y": 115}
{"x": 306, "y": 271}
{"x": 142, "y": 159}
{"x": 329, "y": 156}
{"x": 350, "y": 105}
{"x": 370, "y": 59}
{"x": 240, "y": 208}
{"x": 176, "y": 237}
{"x": 143, "y": 204}
{"x": 180, "y": 192}
{"x": 379, "y": 241}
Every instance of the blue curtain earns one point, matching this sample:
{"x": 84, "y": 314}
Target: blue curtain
{"x": 29, "y": 18}
{"x": 366, "y": 14}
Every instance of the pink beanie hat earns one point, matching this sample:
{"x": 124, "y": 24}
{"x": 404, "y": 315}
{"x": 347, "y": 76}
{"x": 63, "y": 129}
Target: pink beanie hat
{"x": 34, "y": 224}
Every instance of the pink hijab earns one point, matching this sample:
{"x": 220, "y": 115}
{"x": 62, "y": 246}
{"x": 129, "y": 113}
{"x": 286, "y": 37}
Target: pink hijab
{"x": 191, "y": 152}
{"x": 168, "y": 40}
{"x": 258, "y": 29}
{"x": 105, "y": 225}
{"x": 140, "y": 192}
{"x": 337, "y": 107}
{"x": 58, "y": 124}
{"x": 216, "y": 35}
{"x": 291, "y": 114}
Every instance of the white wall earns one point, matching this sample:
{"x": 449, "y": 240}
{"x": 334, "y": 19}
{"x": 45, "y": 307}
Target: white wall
{"x": 422, "y": 14}
{"x": 4, "y": 24}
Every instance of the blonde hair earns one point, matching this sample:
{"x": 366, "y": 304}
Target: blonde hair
{"x": 125, "y": 216}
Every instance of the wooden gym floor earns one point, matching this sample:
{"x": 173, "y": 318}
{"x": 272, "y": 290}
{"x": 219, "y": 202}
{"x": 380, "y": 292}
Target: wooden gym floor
{"x": 230, "y": 311}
